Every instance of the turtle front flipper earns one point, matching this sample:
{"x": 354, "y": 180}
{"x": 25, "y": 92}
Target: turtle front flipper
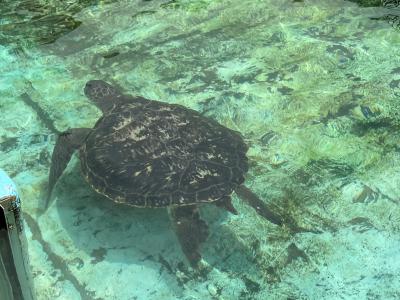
{"x": 67, "y": 142}
{"x": 260, "y": 206}
{"x": 191, "y": 231}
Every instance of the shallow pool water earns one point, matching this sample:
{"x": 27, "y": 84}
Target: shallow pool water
{"x": 313, "y": 86}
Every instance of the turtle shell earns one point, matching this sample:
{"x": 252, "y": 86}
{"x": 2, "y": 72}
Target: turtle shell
{"x": 154, "y": 154}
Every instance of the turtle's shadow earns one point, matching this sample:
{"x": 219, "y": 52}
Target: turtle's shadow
{"x": 111, "y": 232}
{"x": 106, "y": 230}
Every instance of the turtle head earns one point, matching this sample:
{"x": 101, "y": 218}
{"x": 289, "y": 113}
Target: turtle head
{"x": 104, "y": 95}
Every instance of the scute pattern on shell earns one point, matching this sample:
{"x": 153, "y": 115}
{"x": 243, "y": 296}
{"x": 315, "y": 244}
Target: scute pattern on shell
{"x": 154, "y": 154}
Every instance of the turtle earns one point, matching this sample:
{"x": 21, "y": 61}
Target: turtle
{"x": 148, "y": 153}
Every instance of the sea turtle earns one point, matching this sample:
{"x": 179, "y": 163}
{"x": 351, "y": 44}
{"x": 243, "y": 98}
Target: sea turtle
{"x": 147, "y": 153}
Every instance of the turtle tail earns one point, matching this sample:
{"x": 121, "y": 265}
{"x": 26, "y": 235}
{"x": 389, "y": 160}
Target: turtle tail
{"x": 260, "y": 206}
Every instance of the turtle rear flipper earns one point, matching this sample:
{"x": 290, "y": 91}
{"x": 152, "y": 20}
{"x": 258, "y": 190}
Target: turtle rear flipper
{"x": 261, "y": 208}
{"x": 67, "y": 142}
{"x": 191, "y": 231}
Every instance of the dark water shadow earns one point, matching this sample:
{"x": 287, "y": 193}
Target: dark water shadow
{"x": 33, "y": 22}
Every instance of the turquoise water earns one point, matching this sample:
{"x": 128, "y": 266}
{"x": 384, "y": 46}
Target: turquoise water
{"x": 313, "y": 86}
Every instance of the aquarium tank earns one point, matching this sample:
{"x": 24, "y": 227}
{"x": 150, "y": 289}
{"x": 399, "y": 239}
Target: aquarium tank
{"x": 199, "y": 150}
